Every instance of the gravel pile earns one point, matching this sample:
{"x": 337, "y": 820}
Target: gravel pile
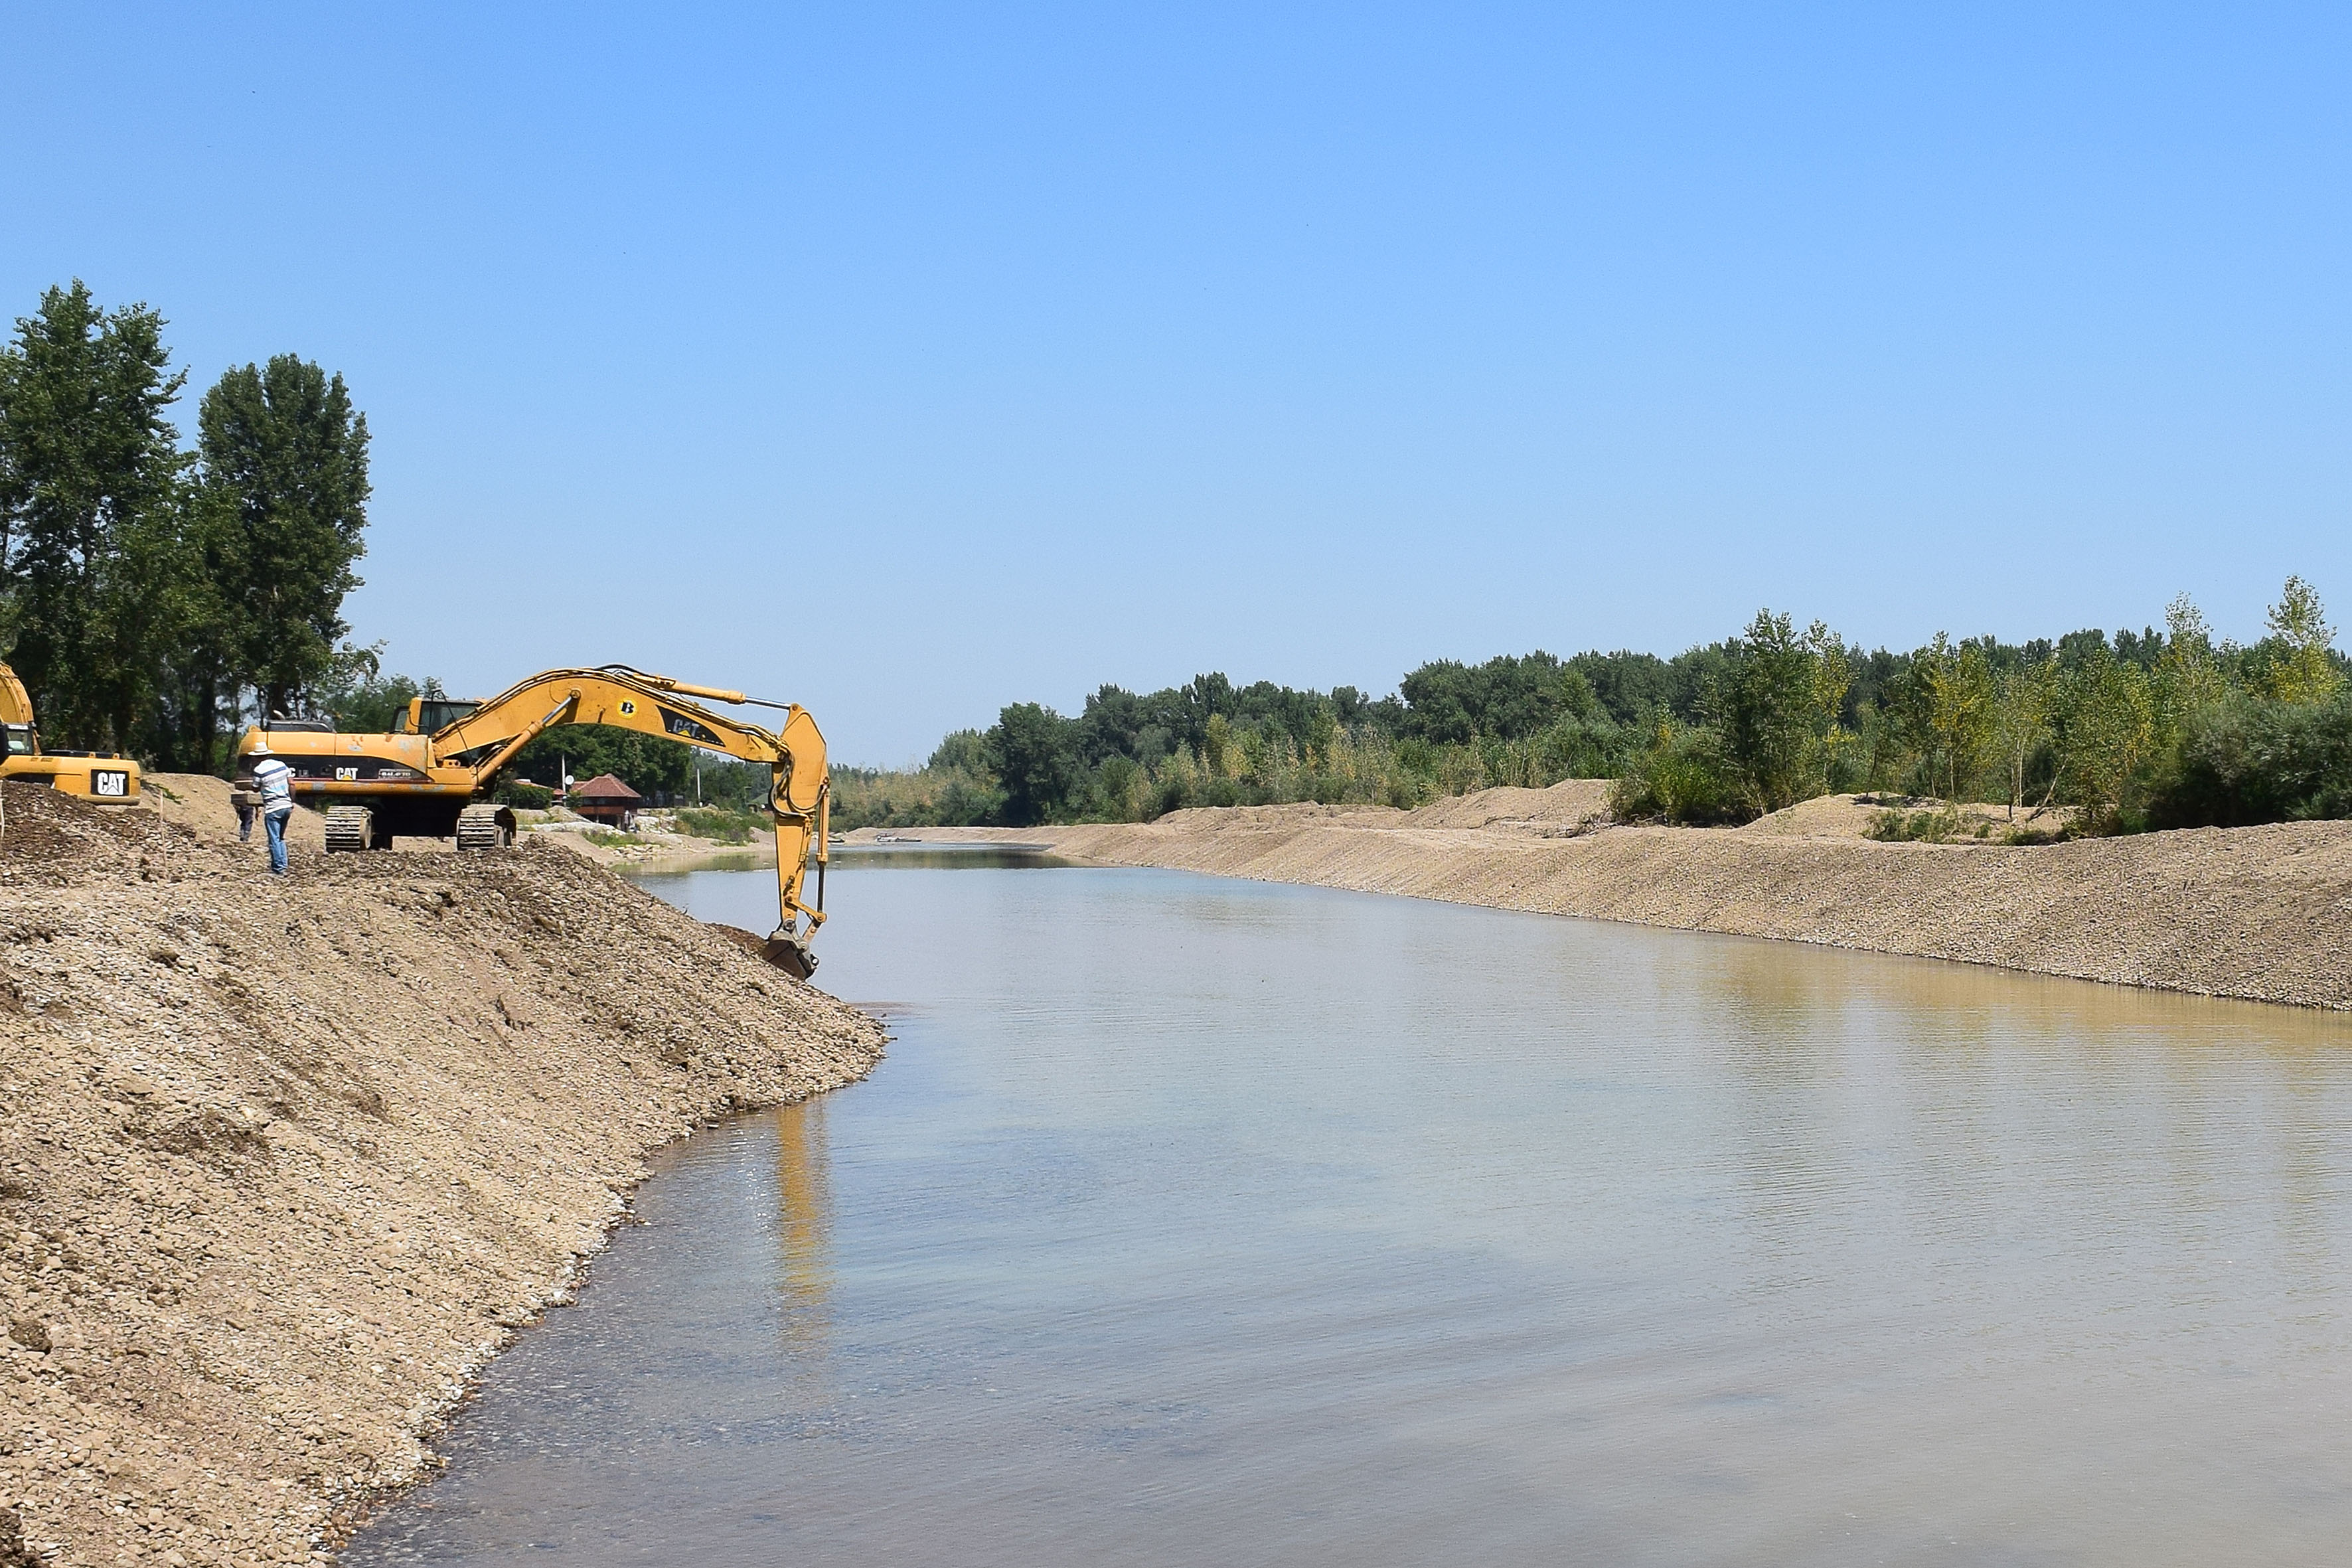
{"x": 283, "y": 1162}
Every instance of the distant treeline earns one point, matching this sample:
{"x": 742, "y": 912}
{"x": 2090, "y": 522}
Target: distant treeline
{"x": 2156, "y": 728}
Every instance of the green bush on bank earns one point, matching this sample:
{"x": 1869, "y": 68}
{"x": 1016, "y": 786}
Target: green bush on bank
{"x": 1682, "y": 777}
{"x": 722, "y": 826}
{"x": 2245, "y": 761}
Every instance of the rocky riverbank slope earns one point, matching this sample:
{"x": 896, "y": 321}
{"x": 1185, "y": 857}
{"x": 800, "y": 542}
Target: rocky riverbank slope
{"x": 2263, "y": 914}
{"x": 283, "y": 1162}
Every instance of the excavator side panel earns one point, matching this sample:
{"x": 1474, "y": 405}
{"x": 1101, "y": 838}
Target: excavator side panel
{"x": 101, "y": 781}
{"x": 100, "y": 777}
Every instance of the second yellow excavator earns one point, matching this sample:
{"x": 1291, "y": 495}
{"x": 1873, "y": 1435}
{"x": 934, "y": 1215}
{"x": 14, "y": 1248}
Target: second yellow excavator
{"x": 431, "y": 776}
{"x": 102, "y": 778}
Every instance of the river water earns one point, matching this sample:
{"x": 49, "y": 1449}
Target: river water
{"x": 1202, "y": 1222}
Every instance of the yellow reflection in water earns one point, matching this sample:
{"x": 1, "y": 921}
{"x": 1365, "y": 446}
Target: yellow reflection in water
{"x": 805, "y": 1207}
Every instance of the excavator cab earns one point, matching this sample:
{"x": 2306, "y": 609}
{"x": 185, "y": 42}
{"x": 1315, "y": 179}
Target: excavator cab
{"x": 426, "y": 715}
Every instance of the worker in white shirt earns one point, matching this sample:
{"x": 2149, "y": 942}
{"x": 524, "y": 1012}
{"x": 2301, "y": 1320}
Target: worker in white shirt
{"x": 273, "y": 781}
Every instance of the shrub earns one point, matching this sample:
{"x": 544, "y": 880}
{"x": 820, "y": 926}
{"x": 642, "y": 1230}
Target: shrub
{"x": 1933, "y": 825}
{"x": 720, "y": 827}
{"x": 1681, "y": 777}
{"x": 2248, "y": 760}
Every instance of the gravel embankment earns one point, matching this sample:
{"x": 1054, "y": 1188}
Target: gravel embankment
{"x": 283, "y": 1162}
{"x": 2263, "y": 914}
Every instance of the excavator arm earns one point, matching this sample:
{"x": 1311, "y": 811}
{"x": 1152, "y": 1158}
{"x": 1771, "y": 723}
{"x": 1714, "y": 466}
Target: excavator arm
{"x": 799, "y": 797}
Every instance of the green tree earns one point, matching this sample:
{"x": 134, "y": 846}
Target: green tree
{"x": 2105, "y": 712}
{"x": 964, "y": 750}
{"x": 1219, "y": 753}
{"x": 1768, "y": 713}
{"x": 286, "y": 471}
{"x": 1680, "y": 776}
{"x": 2244, "y": 762}
{"x": 1956, "y": 684}
{"x": 361, "y": 699}
{"x": 90, "y": 509}
{"x": 650, "y": 764}
{"x": 2300, "y": 637}
{"x": 193, "y": 667}
{"x": 2189, "y": 676}
{"x": 1032, "y": 754}
{"x": 2020, "y": 721}
{"x": 1118, "y": 788}
{"x": 1832, "y": 679}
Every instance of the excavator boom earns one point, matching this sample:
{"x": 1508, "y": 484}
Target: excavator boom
{"x": 374, "y": 786}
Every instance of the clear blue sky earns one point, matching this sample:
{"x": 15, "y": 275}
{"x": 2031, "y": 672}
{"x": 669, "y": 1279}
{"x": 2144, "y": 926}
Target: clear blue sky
{"x": 906, "y": 361}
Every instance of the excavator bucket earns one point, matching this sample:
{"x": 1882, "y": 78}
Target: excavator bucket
{"x": 786, "y": 952}
{"x": 791, "y": 954}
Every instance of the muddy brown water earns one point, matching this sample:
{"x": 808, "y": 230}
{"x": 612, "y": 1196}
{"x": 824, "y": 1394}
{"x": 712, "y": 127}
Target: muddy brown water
{"x": 1195, "y": 1221}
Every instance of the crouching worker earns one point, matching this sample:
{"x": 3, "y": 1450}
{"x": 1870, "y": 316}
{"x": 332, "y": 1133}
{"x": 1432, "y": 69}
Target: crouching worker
{"x": 273, "y": 781}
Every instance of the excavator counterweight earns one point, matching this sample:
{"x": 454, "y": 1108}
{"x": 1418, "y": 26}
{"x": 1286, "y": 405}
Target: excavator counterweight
{"x": 432, "y": 774}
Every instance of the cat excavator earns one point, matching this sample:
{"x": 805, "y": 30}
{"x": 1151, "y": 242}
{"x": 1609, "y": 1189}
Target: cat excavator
{"x": 431, "y": 776}
{"x": 101, "y": 778}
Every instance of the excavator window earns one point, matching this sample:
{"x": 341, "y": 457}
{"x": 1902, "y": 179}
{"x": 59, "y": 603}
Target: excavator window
{"x": 437, "y": 713}
{"x": 22, "y": 742}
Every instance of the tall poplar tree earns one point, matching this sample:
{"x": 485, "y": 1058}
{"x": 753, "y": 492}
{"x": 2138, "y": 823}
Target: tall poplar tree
{"x": 286, "y": 490}
{"x": 90, "y": 479}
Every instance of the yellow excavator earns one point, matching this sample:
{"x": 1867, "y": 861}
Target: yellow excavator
{"x": 100, "y": 777}
{"x": 430, "y": 777}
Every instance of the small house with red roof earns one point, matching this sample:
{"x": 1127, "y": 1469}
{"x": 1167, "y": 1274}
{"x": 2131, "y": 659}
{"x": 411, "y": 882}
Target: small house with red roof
{"x": 607, "y": 799}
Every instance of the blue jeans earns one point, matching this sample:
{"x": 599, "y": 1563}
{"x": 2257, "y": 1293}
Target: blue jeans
{"x": 274, "y": 823}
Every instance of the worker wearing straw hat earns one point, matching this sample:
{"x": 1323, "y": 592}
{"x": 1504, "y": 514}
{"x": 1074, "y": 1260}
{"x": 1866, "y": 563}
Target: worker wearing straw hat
{"x": 274, "y": 782}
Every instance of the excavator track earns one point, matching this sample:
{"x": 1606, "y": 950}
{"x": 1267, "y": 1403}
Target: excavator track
{"x": 349, "y": 829}
{"x": 484, "y": 827}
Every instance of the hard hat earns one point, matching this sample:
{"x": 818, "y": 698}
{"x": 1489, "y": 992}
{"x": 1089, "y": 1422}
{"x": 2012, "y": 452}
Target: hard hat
{"x": 260, "y": 749}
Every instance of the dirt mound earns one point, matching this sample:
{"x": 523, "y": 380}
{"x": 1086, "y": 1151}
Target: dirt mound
{"x": 1857, "y": 816}
{"x": 1573, "y": 804}
{"x": 1828, "y": 816}
{"x": 282, "y": 1161}
{"x": 1297, "y": 814}
{"x": 51, "y": 839}
{"x": 200, "y": 803}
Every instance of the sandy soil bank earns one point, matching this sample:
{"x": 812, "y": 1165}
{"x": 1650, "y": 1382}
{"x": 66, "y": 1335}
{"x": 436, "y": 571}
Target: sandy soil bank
{"x": 2258, "y": 912}
{"x": 283, "y": 1162}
